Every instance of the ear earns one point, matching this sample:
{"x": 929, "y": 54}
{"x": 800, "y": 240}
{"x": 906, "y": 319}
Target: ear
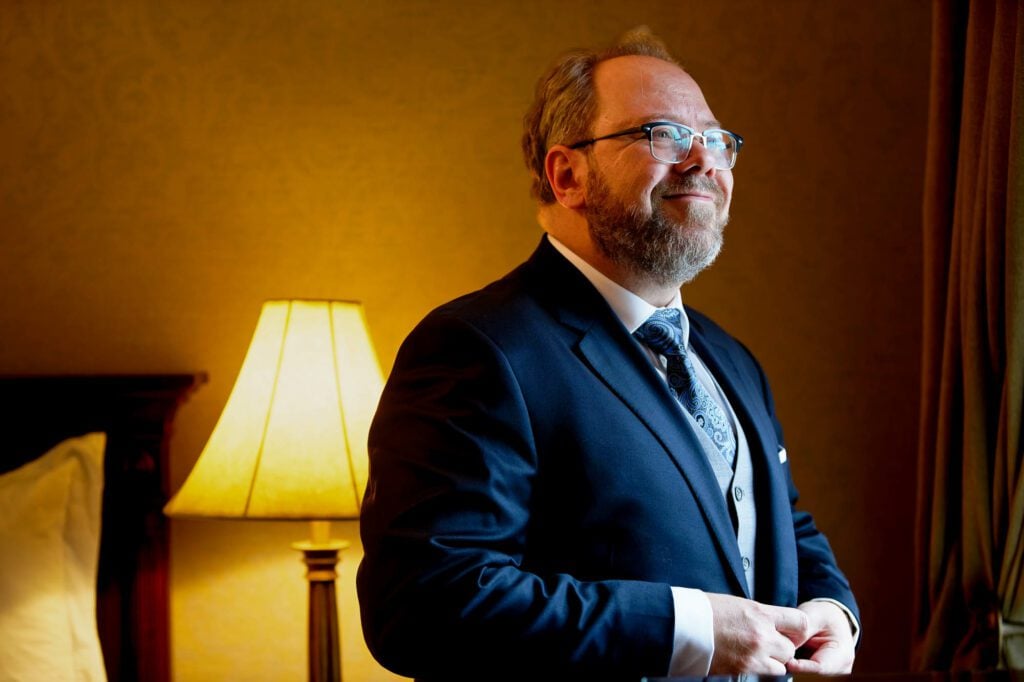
{"x": 566, "y": 170}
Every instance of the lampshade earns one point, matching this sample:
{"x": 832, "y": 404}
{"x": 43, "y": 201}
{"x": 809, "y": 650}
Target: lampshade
{"x": 291, "y": 442}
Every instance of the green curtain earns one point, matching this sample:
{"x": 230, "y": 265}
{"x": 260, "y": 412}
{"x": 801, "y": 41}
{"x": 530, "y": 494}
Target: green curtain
{"x": 969, "y": 605}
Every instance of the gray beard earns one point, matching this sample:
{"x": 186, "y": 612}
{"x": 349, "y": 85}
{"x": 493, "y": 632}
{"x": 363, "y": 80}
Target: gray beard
{"x": 656, "y": 247}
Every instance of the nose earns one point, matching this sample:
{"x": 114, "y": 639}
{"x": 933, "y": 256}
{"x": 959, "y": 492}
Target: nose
{"x": 698, "y": 161}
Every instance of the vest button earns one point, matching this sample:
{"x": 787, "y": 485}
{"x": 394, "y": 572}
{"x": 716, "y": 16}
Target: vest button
{"x": 737, "y": 493}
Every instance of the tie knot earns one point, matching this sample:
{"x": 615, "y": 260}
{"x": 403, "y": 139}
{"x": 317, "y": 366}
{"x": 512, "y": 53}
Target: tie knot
{"x": 662, "y": 332}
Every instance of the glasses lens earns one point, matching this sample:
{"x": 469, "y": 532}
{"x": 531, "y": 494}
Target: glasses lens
{"x": 723, "y": 146}
{"x": 670, "y": 144}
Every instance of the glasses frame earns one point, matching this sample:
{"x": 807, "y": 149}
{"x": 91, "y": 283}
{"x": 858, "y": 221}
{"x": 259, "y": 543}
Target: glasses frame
{"x": 647, "y": 129}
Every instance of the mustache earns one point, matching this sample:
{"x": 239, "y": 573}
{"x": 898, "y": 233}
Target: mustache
{"x": 690, "y": 184}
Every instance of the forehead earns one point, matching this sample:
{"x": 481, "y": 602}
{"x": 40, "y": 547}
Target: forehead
{"x": 636, "y": 89}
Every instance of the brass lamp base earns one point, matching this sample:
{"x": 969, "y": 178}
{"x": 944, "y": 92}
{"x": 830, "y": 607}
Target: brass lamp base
{"x": 321, "y": 557}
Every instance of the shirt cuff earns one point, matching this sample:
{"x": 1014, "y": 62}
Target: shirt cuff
{"x": 854, "y": 625}
{"x": 693, "y": 644}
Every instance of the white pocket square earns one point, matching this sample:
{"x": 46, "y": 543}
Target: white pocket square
{"x": 782, "y": 456}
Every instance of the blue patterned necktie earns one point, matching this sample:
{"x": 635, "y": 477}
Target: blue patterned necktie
{"x": 662, "y": 332}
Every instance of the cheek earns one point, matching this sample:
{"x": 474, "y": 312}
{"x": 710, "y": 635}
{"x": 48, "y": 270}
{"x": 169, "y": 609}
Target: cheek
{"x": 725, "y": 182}
{"x": 638, "y": 188}
{"x": 634, "y": 183}
{"x": 649, "y": 180}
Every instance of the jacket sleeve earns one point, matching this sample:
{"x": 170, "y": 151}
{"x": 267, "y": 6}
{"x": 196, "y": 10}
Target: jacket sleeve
{"x": 445, "y": 525}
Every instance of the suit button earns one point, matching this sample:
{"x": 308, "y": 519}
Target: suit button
{"x": 737, "y": 493}
{"x": 746, "y": 564}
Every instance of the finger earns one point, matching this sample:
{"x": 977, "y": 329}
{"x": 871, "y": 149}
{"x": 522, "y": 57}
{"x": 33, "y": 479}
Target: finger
{"x": 774, "y": 668}
{"x": 832, "y": 658}
{"x": 793, "y": 623}
{"x": 781, "y": 649}
{"x": 803, "y": 666}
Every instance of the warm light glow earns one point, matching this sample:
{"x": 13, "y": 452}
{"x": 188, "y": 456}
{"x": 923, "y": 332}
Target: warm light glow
{"x": 291, "y": 442}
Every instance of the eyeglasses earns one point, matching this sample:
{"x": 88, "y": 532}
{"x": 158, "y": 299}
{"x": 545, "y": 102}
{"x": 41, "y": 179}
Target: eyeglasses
{"x": 671, "y": 142}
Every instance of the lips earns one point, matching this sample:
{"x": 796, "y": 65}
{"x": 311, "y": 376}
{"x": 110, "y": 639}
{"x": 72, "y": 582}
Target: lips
{"x": 689, "y": 195}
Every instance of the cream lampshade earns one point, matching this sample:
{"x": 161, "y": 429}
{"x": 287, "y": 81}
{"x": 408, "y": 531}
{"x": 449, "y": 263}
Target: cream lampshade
{"x": 291, "y": 443}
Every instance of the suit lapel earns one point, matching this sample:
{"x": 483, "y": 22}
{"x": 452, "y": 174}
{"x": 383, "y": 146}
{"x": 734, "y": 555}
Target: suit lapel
{"x": 776, "y": 530}
{"x": 737, "y": 387}
{"x": 606, "y": 347}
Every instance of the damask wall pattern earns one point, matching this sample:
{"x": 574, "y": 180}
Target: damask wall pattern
{"x": 167, "y": 165}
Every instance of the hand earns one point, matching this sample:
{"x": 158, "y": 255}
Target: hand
{"x": 756, "y": 638}
{"x": 830, "y": 642}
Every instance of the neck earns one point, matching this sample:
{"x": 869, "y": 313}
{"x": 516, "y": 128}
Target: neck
{"x": 658, "y": 295}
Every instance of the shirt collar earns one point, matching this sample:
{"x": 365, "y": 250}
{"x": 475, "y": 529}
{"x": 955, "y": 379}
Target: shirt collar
{"x": 631, "y": 310}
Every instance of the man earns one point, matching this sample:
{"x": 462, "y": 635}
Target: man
{"x": 570, "y": 472}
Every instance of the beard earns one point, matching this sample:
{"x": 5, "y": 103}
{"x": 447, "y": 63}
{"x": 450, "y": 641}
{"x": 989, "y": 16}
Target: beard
{"x": 654, "y": 246}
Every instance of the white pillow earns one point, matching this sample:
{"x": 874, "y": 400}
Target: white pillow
{"x": 49, "y": 549}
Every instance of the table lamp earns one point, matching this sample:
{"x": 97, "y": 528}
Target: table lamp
{"x": 291, "y": 444}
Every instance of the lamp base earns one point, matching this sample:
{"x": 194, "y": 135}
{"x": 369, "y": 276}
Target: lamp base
{"x": 324, "y": 647}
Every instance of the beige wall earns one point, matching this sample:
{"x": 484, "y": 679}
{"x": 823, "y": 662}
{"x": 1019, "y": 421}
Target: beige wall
{"x": 167, "y": 166}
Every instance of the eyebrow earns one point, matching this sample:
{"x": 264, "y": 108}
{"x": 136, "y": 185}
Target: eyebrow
{"x": 708, "y": 123}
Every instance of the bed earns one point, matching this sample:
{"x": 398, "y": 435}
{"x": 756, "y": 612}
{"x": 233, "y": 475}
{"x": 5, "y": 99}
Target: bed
{"x": 135, "y": 413}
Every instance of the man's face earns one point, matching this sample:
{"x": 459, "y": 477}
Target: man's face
{"x": 663, "y": 221}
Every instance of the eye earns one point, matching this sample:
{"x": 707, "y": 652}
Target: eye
{"x": 665, "y": 134}
{"x": 718, "y": 141}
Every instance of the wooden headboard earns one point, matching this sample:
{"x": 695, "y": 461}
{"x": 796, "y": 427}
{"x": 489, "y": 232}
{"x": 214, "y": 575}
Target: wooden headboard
{"x": 136, "y": 413}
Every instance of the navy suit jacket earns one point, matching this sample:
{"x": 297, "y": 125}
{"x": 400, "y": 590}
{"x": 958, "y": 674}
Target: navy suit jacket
{"x": 534, "y": 491}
